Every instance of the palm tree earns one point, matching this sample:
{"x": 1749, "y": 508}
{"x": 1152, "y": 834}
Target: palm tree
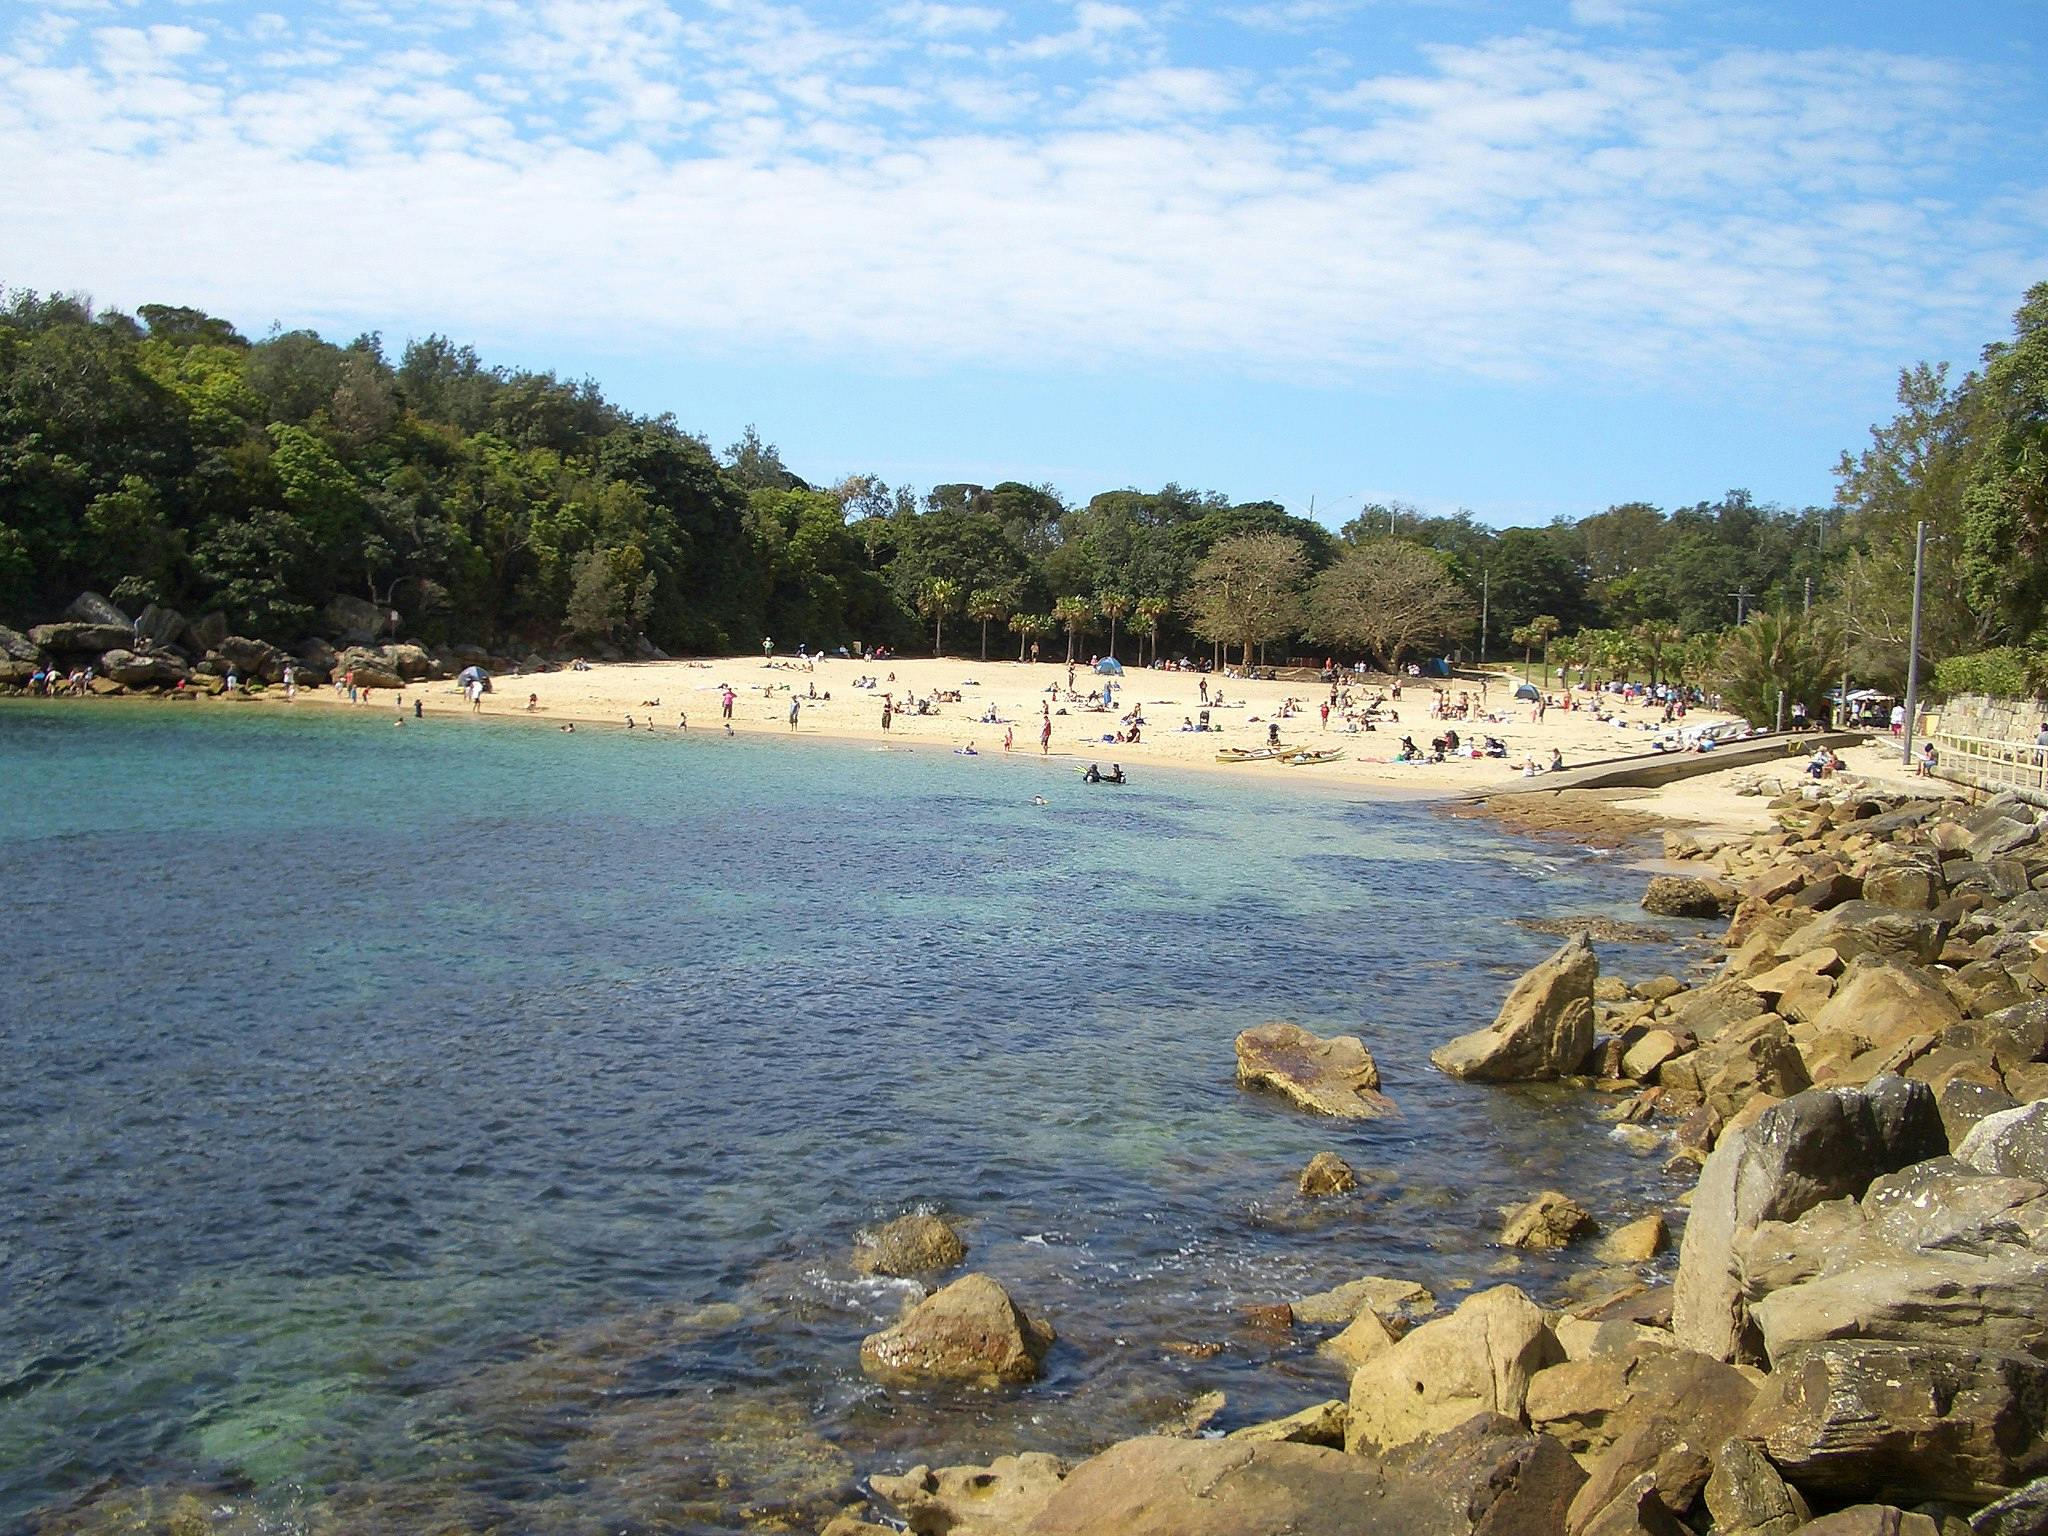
{"x": 1568, "y": 652}
{"x": 1656, "y": 639}
{"x": 1025, "y": 625}
{"x": 985, "y": 603}
{"x": 1533, "y": 635}
{"x": 1113, "y": 606}
{"x": 1074, "y": 613}
{"x": 1153, "y": 610}
{"x": 935, "y": 599}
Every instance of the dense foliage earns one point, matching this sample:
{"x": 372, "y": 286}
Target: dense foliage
{"x": 164, "y": 457}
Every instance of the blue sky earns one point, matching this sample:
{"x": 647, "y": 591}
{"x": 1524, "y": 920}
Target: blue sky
{"x": 1530, "y": 259}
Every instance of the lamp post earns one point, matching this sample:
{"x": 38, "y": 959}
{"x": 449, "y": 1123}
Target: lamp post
{"x": 1913, "y": 655}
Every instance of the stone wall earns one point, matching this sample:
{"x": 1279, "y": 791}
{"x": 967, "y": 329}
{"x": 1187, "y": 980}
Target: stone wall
{"x": 1974, "y": 714}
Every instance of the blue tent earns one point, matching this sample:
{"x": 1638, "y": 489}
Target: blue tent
{"x": 1110, "y": 667}
{"x": 1528, "y": 691}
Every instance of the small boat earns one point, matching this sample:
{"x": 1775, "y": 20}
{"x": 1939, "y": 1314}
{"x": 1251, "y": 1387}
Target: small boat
{"x": 1306, "y": 757}
{"x": 1251, "y": 754}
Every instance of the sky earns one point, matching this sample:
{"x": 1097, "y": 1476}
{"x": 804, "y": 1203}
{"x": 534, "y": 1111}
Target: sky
{"x": 1527, "y": 259}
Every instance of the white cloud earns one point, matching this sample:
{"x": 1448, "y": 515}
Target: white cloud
{"x": 945, "y": 20}
{"x": 750, "y": 176}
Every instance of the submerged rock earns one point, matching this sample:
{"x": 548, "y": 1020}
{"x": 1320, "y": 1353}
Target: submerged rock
{"x": 916, "y": 1244}
{"x": 1336, "y": 1076}
{"x": 994, "y": 1500}
{"x": 1552, "y": 1220}
{"x": 1326, "y": 1174}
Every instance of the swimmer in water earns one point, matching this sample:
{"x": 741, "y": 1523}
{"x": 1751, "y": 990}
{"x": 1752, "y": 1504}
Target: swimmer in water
{"x": 1040, "y": 800}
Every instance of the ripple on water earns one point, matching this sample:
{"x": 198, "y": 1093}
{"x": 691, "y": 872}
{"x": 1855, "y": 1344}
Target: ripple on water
{"x": 465, "y": 1127}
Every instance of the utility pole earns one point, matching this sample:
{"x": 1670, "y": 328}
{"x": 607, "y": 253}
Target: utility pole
{"x": 1807, "y": 611}
{"x": 1485, "y": 600}
{"x": 1741, "y": 600}
{"x": 1913, "y": 656}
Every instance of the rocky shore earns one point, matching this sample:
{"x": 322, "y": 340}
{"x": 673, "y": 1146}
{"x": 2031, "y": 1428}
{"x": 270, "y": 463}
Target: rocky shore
{"x": 1855, "y": 1339}
{"x": 160, "y": 650}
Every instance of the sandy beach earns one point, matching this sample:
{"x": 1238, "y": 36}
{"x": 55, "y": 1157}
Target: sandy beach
{"x": 659, "y": 695}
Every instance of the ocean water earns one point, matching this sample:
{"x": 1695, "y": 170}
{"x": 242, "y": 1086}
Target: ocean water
{"x": 465, "y": 1126}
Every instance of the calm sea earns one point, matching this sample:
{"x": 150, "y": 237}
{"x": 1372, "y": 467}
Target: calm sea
{"x": 464, "y": 1126}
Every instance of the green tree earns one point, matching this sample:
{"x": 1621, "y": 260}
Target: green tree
{"x": 2005, "y": 511}
{"x": 937, "y": 598}
{"x": 1072, "y": 614}
{"x": 1247, "y": 590}
{"x": 610, "y": 594}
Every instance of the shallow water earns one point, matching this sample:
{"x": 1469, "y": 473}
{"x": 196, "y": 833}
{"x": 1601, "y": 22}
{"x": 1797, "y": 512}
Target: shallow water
{"x": 464, "y": 1126}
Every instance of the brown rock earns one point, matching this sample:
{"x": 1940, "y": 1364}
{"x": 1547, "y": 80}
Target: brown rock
{"x": 1361, "y": 1339}
{"x": 1544, "y": 1029}
{"x": 1686, "y": 896}
{"x": 915, "y": 1244}
{"x": 1638, "y": 1242}
{"x": 995, "y": 1500}
{"x": 1320, "y": 1424}
{"x": 1551, "y": 1220}
{"x": 970, "y": 1331}
{"x": 1853, "y": 1419}
{"x": 1336, "y": 1076}
{"x": 1374, "y": 1292}
{"x": 1326, "y": 1174}
{"x": 1747, "y": 1496}
{"x": 1477, "y": 1360}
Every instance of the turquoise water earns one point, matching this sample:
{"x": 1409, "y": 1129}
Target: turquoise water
{"x": 464, "y": 1127}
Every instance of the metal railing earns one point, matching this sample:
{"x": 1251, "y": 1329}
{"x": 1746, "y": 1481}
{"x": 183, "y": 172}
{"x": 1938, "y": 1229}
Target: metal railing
{"x": 1984, "y": 763}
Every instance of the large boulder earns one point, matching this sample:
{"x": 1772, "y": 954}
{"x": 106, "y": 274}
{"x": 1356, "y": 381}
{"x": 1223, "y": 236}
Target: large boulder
{"x": 159, "y": 626}
{"x": 207, "y": 631}
{"x": 2023, "y": 1512}
{"x": 1487, "y": 1475}
{"x": 1857, "y": 1419}
{"x": 15, "y": 646}
{"x": 410, "y": 661}
{"x": 1879, "y": 1005}
{"x": 248, "y": 657}
{"x": 1325, "y": 1077}
{"x": 1865, "y": 928}
{"x": 91, "y": 608}
{"x": 1686, "y": 896}
{"x": 916, "y": 1244}
{"x": 1909, "y": 878}
{"x": 1726, "y": 1072}
{"x": 2013, "y": 1142}
{"x": 1588, "y": 1403}
{"x": 1747, "y": 1496}
{"x": 75, "y": 639}
{"x": 353, "y": 621}
{"x": 1819, "y": 1145}
{"x": 1477, "y": 1360}
{"x": 995, "y": 1500}
{"x": 150, "y": 670}
{"x": 1677, "y": 1411}
{"x": 370, "y": 668}
{"x": 1931, "y": 1253}
{"x": 1544, "y": 1030}
{"x": 971, "y": 1331}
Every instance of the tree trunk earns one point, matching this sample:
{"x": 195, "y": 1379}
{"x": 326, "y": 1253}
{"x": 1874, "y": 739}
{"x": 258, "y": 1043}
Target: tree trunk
{"x": 938, "y": 631}
{"x": 1022, "y": 636}
{"x": 984, "y": 640}
{"x": 1112, "y": 635}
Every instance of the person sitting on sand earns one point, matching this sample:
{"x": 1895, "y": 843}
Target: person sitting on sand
{"x": 1556, "y": 760}
{"x": 532, "y": 702}
{"x": 1273, "y": 734}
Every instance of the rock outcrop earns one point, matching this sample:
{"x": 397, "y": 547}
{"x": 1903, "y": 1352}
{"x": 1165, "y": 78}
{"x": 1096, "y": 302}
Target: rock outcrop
{"x": 1544, "y": 1029}
{"x": 1477, "y": 1360}
{"x": 1326, "y": 1175}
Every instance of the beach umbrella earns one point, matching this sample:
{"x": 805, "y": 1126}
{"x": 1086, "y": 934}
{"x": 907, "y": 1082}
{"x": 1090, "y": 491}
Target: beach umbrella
{"x": 472, "y": 675}
{"x": 1109, "y": 666}
{"x": 1528, "y": 691}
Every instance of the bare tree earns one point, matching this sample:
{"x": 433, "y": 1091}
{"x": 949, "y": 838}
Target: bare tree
{"x": 1247, "y": 590}
{"x": 1386, "y": 596}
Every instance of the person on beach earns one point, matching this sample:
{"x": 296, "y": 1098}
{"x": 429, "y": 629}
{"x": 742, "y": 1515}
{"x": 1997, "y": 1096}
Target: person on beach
{"x": 532, "y": 702}
{"x": 476, "y": 698}
{"x": 795, "y": 703}
{"x": 1045, "y": 737}
{"x": 683, "y": 721}
{"x": 888, "y": 709}
{"x": 418, "y": 711}
{"x": 767, "y": 648}
{"x": 1009, "y": 736}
